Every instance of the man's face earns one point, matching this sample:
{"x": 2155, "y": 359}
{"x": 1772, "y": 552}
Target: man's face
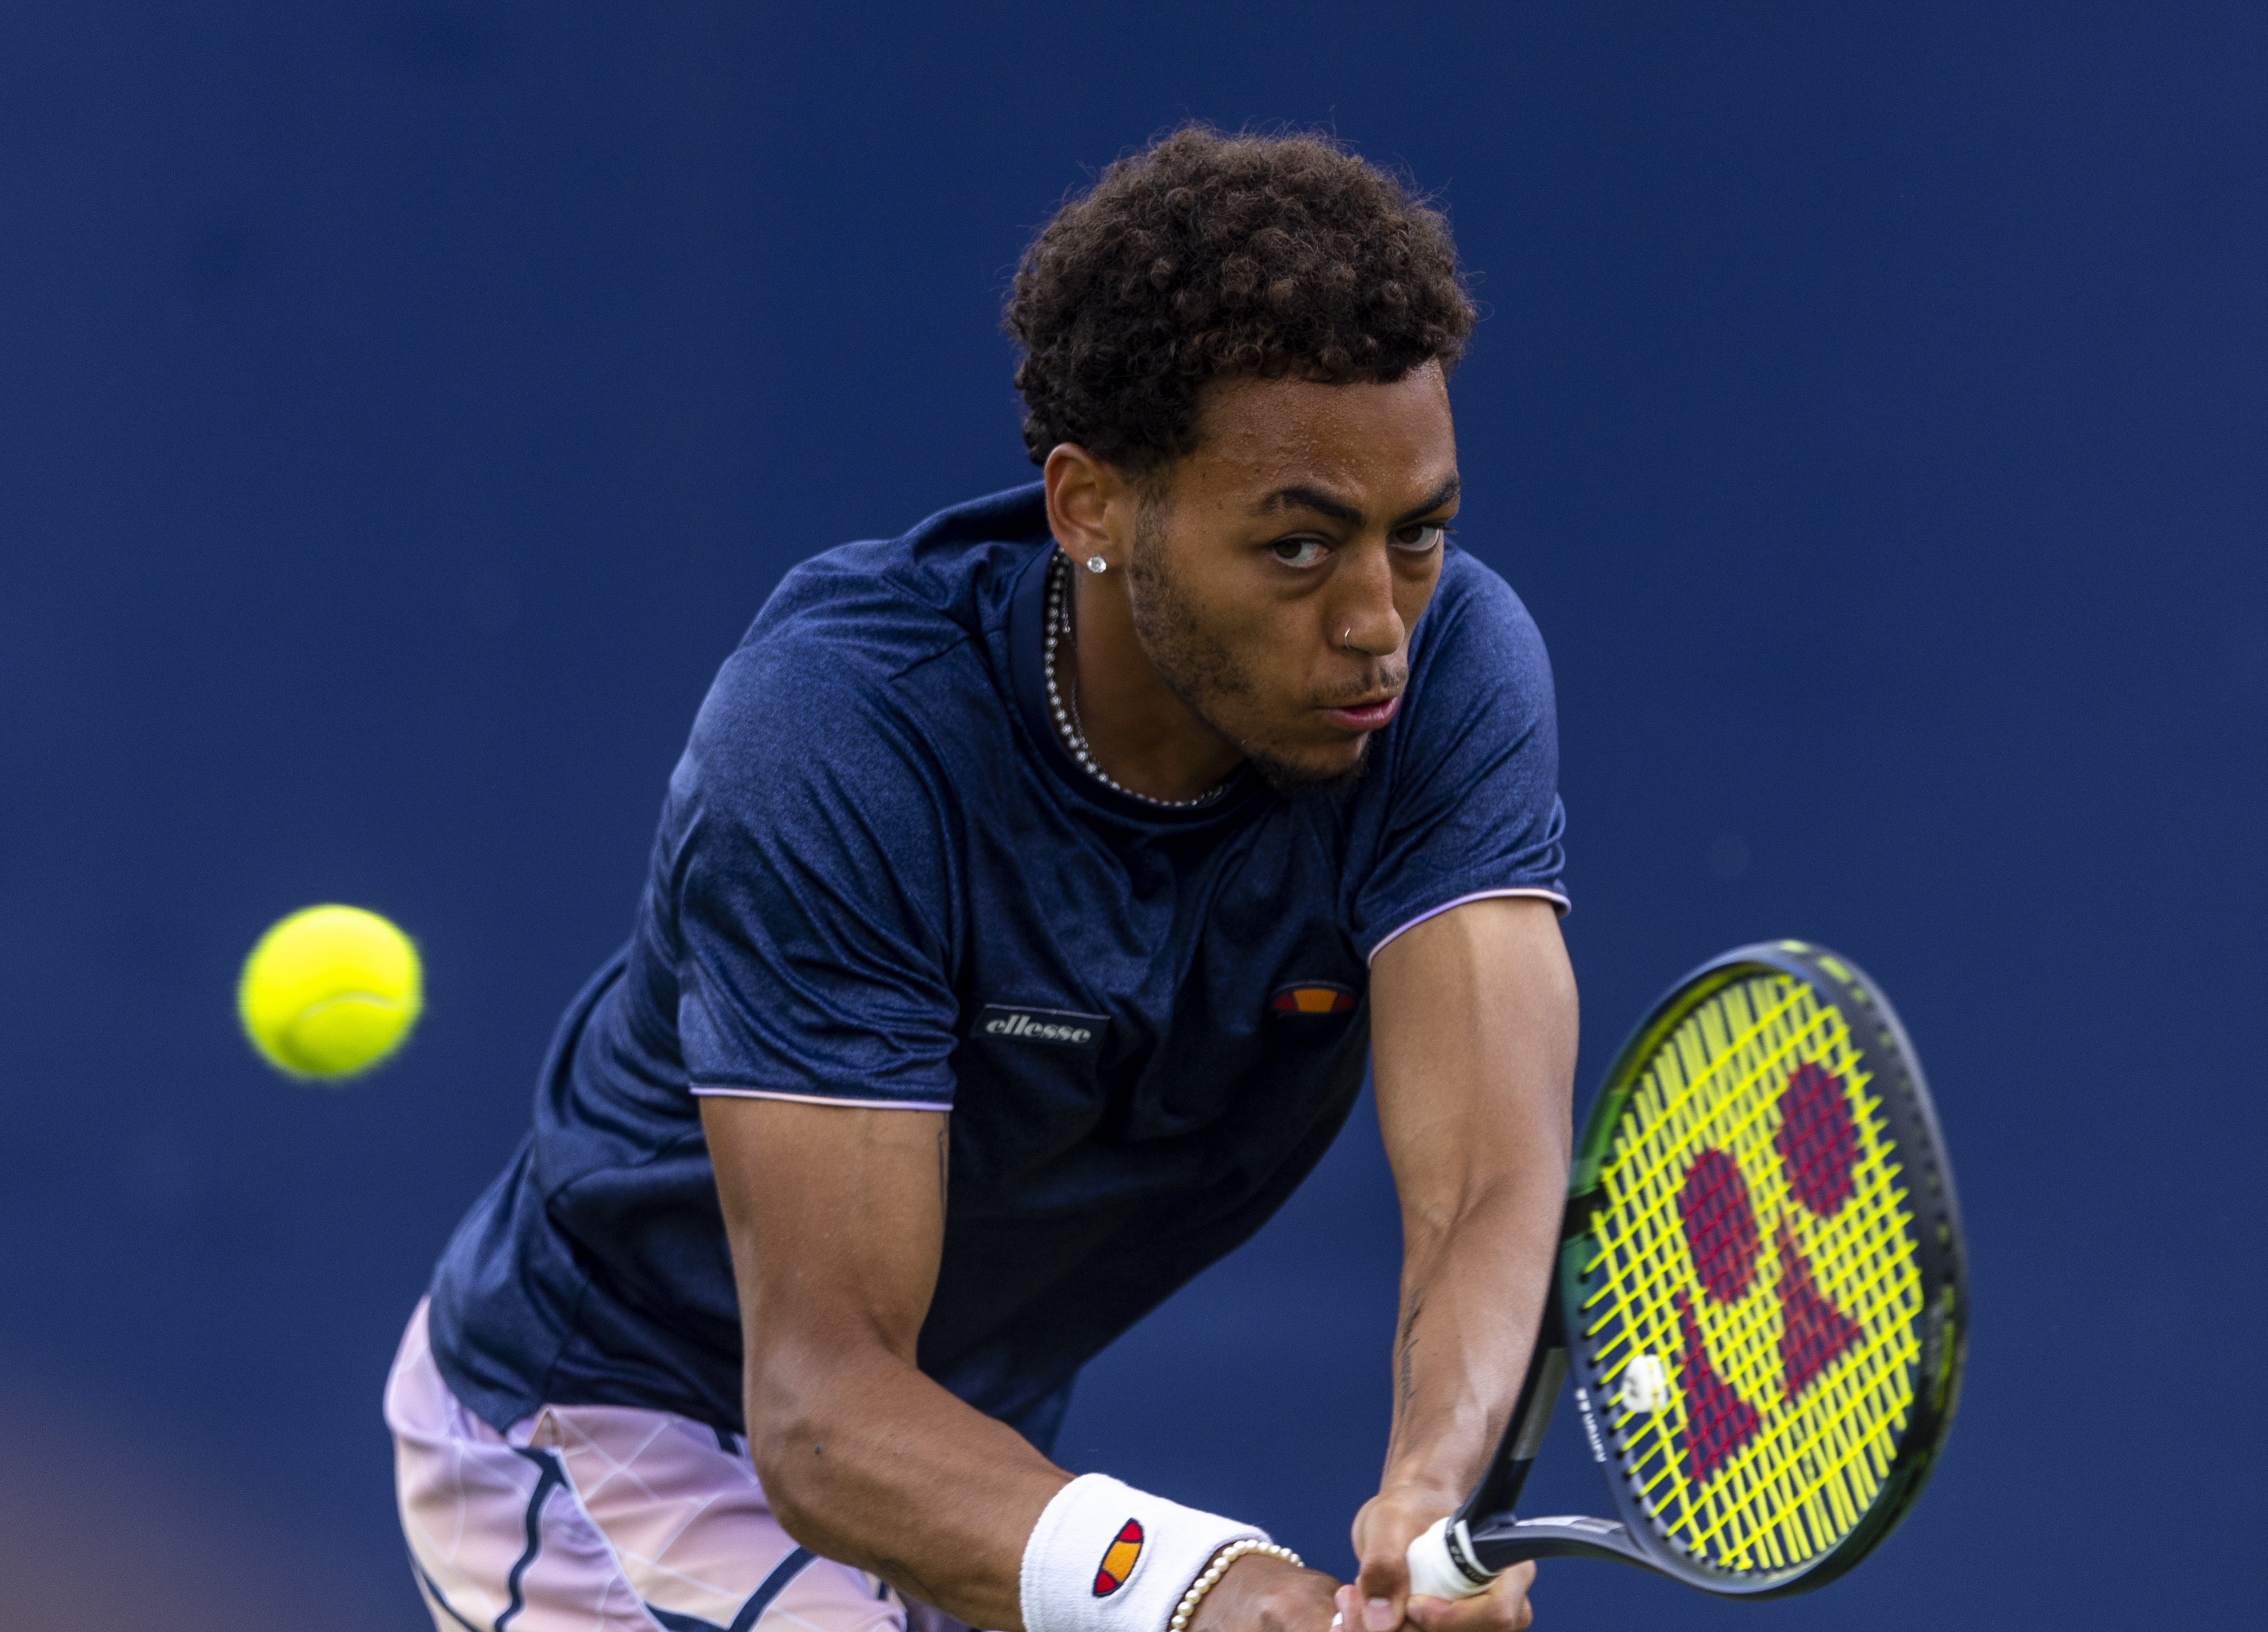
{"x": 1277, "y": 572}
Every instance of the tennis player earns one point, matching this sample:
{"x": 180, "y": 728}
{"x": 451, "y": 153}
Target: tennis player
{"x": 1027, "y": 902}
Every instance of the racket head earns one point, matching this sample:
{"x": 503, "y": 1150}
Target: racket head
{"x": 1763, "y": 1277}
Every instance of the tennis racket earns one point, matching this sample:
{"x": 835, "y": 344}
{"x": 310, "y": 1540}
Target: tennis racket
{"x": 1760, "y": 1294}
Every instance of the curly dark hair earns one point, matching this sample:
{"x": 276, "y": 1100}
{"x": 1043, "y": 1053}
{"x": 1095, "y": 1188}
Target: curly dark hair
{"x": 1212, "y": 257}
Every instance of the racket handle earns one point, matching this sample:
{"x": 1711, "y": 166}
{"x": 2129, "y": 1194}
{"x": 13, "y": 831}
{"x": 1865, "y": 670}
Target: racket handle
{"x": 1441, "y": 1562}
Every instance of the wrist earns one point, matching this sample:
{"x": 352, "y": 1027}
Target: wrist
{"x": 1106, "y": 1558}
{"x": 1258, "y": 1590}
{"x": 1235, "y": 1553}
{"x": 1416, "y": 1490}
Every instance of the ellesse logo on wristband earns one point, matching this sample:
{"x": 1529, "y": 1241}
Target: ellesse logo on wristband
{"x": 1118, "y": 1559}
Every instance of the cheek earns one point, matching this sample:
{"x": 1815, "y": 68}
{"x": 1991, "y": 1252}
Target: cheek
{"x": 1270, "y": 662}
{"x": 1255, "y": 630}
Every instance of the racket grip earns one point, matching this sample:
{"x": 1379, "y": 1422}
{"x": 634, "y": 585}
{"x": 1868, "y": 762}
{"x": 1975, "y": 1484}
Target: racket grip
{"x": 1441, "y": 1562}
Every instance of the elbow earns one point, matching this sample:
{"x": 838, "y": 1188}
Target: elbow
{"x": 814, "y": 1403}
{"x": 788, "y": 1449}
{"x": 799, "y": 1440}
{"x": 799, "y": 1519}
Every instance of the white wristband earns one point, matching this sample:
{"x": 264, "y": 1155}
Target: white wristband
{"x": 1106, "y": 1558}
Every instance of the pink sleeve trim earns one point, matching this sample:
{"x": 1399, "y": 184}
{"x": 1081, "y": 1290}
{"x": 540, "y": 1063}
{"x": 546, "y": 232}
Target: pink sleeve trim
{"x": 1553, "y": 896}
{"x": 820, "y": 1099}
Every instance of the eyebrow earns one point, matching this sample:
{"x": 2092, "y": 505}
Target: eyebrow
{"x": 1301, "y": 497}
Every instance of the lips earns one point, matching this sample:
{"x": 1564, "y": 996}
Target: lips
{"x": 1364, "y": 716}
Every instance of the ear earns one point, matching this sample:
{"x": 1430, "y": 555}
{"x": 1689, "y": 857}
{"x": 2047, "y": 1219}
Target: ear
{"x": 1090, "y": 505}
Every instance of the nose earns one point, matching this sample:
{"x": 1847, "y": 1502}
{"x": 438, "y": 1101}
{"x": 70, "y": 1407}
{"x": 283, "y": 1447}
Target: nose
{"x": 1363, "y": 618}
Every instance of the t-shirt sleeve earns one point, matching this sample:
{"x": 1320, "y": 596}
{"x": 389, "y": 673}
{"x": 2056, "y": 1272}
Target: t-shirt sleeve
{"x": 1472, "y": 806}
{"x": 809, "y": 880}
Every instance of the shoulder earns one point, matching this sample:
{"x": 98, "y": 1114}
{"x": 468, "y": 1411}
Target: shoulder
{"x": 868, "y": 663}
{"x": 888, "y": 605}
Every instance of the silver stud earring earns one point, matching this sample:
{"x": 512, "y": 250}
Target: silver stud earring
{"x": 1095, "y": 563}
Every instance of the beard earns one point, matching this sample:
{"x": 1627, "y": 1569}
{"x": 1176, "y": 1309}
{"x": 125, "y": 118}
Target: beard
{"x": 1208, "y": 677}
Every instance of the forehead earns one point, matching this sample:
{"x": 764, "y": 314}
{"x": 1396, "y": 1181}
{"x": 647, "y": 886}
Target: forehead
{"x": 1364, "y": 439}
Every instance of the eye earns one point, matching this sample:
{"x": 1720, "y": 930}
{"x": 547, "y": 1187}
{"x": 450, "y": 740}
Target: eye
{"x": 1299, "y": 552}
{"x": 1421, "y": 536}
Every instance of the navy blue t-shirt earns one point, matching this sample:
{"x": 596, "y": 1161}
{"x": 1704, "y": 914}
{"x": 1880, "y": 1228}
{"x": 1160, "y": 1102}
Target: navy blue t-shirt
{"x": 879, "y": 880}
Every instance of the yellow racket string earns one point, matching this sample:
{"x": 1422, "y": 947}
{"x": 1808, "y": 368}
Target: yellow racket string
{"x": 1779, "y": 1428}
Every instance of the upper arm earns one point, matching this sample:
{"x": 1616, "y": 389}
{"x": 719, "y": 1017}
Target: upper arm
{"x": 835, "y": 1224}
{"x": 1473, "y": 1033}
{"x": 835, "y": 1217}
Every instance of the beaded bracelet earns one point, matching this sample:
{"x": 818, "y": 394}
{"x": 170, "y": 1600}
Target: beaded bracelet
{"x": 1186, "y": 1611}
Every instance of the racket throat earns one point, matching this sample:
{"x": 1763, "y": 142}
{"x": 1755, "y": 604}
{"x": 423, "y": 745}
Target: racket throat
{"x": 1457, "y": 1542}
{"x": 1498, "y": 1546}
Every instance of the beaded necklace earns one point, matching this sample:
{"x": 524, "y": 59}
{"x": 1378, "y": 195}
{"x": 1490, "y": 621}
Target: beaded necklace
{"x": 1065, "y": 709}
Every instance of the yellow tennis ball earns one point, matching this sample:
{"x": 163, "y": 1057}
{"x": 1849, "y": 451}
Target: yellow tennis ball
{"x": 329, "y": 991}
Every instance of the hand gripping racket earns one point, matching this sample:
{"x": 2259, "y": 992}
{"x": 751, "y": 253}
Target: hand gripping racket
{"x": 1760, "y": 1294}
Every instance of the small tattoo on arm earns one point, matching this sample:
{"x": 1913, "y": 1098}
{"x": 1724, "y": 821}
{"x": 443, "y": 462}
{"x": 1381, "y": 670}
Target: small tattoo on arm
{"x": 1408, "y": 1344}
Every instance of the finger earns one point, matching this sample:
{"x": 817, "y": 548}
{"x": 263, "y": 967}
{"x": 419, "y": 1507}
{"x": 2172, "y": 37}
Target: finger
{"x": 1382, "y": 1589}
{"x": 1502, "y": 1608}
{"x": 1425, "y": 1611}
{"x": 1523, "y": 1607}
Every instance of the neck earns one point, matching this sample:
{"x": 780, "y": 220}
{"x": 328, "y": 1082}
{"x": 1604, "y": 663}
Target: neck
{"x": 1144, "y": 736}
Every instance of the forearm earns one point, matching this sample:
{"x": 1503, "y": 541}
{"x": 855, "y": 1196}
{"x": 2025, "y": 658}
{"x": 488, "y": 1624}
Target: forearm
{"x": 1473, "y": 1287}
{"x": 869, "y": 1461}
{"x": 1475, "y": 1040}
{"x": 887, "y": 1471}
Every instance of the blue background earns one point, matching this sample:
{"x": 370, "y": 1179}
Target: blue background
{"x": 402, "y": 409}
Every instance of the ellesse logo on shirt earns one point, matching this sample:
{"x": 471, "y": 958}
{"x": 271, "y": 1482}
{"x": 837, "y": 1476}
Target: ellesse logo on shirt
{"x": 1311, "y": 997}
{"x": 1055, "y": 1028}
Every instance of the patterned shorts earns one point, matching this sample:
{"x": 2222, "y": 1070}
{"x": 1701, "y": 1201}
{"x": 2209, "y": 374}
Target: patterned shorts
{"x": 603, "y": 1519}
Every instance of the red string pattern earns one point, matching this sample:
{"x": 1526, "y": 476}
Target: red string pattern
{"x": 1718, "y": 1421}
{"x": 1817, "y": 1140}
{"x": 1814, "y": 1330}
{"x": 1720, "y": 1225}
